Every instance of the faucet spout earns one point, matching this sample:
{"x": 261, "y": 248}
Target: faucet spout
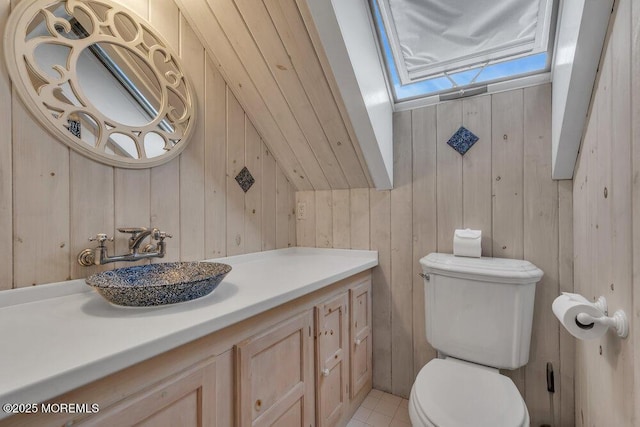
{"x": 137, "y": 238}
{"x": 99, "y": 255}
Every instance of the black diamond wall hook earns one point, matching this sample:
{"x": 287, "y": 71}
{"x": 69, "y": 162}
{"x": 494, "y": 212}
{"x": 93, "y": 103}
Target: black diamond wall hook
{"x": 245, "y": 179}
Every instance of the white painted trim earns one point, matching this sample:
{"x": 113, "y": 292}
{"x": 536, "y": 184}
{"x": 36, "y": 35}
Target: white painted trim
{"x": 534, "y": 80}
{"x": 349, "y": 40}
{"x": 582, "y": 28}
{"x": 412, "y": 104}
{"x": 522, "y": 82}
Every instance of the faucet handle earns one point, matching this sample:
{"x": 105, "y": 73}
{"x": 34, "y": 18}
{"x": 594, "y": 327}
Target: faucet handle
{"x": 100, "y": 238}
{"x": 161, "y": 235}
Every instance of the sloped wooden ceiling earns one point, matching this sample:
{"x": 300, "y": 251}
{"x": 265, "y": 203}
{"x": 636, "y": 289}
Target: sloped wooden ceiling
{"x": 265, "y": 51}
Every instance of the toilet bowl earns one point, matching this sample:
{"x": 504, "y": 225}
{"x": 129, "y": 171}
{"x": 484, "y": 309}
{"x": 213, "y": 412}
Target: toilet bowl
{"x": 454, "y": 393}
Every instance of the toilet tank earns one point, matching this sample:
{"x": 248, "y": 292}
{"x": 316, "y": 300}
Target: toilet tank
{"x": 480, "y": 309}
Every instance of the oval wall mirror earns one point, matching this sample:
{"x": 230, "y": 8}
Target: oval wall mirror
{"x": 101, "y": 79}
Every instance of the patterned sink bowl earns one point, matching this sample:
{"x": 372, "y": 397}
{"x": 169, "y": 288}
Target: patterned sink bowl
{"x": 158, "y": 284}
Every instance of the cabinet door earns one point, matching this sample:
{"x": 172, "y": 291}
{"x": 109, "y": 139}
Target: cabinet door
{"x": 360, "y": 348}
{"x": 332, "y": 347}
{"x": 275, "y": 375}
{"x": 186, "y": 399}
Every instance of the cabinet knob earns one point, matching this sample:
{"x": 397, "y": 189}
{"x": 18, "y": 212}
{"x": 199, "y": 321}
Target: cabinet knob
{"x": 325, "y": 372}
{"x": 358, "y": 341}
{"x": 258, "y": 404}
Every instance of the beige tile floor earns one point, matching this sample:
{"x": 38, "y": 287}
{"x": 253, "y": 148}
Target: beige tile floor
{"x": 381, "y": 409}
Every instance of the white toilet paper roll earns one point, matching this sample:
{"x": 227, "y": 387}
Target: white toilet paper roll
{"x": 567, "y": 306}
{"x": 467, "y": 243}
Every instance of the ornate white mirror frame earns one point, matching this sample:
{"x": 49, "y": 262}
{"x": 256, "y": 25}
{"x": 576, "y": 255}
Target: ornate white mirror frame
{"x": 101, "y": 79}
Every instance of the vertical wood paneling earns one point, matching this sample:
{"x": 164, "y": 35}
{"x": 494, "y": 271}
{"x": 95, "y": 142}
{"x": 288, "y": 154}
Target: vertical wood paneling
{"x": 620, "y": 294}
{"x": 565, "y": 274}
{"x": 476, "y": 170}
{"x": 192, "y": 158}
{"x": 52, "y": 199}
{"x": 283, "y": 208}
{"x": 602, "y": 205}
{"x": 401, "y": 257}
{"x": 268, "y": 200}
{"x": 506, "y": 166}
{"x": 279, "y": 64}
{"x": 211, "y": 32}
{"x": 235, "y": 163}
{"x": 91, "y": 209}
{"x": 41, "y": 223}
{"x": 635, "y": 191}
{"x": 449, "y": 175}
{"x": 294, "y": 36}
{"x": 341, "y": 220}
{"x": 359, "y": 221}
{"x": 165, "y": 17}
{"x": 425, "y": 224}
{"x": 380, "y": 205}
{"x": 215, "y": 164}
{"x": 246, "y": 50}
{"x": 605, "y": 203}
{"x": 132, "y": 203}
{"x": 6, "y": 170}
{"x": 324, "y": 219}
{"x": 405, "y": 223}
{"x": 583, "y": 267}
{"x": 506, "y": 157}
{"x": 141, "y": 7}
{"x": 540, "y": 246}
{"x": 306, "y": 227}
{"x": 165, "y": 207}
{"x": 253, "y": 197}
{"x": 132, "y": 188}
{"x": 165, "y": 179}
{"x": 305, "y": 13}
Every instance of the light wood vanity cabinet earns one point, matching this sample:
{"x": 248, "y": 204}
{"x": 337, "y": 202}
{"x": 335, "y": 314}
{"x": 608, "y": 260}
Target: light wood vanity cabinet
{"x": 275, "y": 368}
{"x": 305, "y": 363}
{"x": 275, "y": 375}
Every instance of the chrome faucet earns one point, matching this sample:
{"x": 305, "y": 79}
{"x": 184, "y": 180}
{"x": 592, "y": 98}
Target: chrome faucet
{"x": 99, "y": 255}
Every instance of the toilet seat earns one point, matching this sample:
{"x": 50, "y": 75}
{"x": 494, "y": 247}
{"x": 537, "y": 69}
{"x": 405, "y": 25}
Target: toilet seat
{"x": 454, "y": 393}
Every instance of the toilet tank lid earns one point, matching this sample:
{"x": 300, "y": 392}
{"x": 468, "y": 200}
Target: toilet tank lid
{"x": 501, "y": 270}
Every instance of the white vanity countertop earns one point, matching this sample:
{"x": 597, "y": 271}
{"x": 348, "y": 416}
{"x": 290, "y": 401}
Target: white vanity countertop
{"x": 60, "y": 336}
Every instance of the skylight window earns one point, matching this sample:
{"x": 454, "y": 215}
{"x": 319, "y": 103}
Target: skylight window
{"x": 437, "y": 46}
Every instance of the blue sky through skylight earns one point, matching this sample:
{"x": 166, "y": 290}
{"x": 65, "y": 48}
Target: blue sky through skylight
{"x": 498, "y": 71}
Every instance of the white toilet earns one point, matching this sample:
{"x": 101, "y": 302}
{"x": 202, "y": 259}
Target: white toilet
{"x": 478, "y": 316}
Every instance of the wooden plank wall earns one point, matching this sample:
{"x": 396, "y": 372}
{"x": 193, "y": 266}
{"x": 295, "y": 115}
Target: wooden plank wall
{"x": 265, "y": 50}
{"x": 606, "y": 201}
{"x": 503, "y": 186}
{"x": 52, "y": 199}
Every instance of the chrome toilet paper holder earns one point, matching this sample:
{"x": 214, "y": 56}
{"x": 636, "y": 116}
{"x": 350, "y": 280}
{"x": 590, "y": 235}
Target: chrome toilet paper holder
{"x": 618, "y": 321}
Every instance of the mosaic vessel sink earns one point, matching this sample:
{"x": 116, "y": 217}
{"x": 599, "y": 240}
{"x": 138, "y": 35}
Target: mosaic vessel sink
{"x": 158, "y": 284}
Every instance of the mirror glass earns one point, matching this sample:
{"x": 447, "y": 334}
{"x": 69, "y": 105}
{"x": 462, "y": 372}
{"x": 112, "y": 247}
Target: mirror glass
{"x": 100, "y": 78}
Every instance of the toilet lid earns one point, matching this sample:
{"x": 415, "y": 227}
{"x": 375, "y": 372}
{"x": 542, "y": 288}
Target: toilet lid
{"x": 453, "y": 393}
